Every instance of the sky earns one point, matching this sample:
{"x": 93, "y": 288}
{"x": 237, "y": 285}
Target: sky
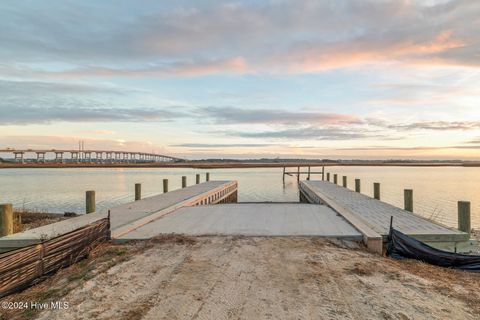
{"x": 243, "y": 79}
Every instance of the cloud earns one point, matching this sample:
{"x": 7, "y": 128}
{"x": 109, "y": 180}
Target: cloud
{"x": 237, "y": 115}
{"x": 438, "y": 125}
{"x": 34, "y": 102}
{"x": 219, "y": 145}
{"x": 181, "y": 68}
{"x": 21, "y": 115}
{"x": 185, "y": 39}
{"x": 309, "y": 133}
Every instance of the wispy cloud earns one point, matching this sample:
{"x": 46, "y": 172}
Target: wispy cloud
{"x": 237, "y": 115}
{"x": 309, "y": 133}
{"x": 220, "y": 145}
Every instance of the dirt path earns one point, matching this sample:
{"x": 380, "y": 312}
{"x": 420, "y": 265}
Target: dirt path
{"x": 270, "y": 278}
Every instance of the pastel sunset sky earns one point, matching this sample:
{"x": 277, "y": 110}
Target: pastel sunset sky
{"x": 243, "y": 79}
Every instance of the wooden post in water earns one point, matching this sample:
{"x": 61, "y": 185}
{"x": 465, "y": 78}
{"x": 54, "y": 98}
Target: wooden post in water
{"x": 323, "y": 173}
{"x": 298, "y": 173}
{"x": 376, "y": 190}
{"x": 408, "y": 199}
{"x": 335, "y": 178}
{"x": 184, "y": 181}
{"x": 328, "y": 176}
{"x": 197, "y": 178}
{"x": 283, "y": 176}
{"x": 138, "y": 191}
{"x": 207, "y": 176}
{"x": 165, "y": 185}
{"x": 6, "y": 219}
{"x": 358, "y": 187}
{"x": 90, "y": 204}
{"x": 308, "y": 177}
{"x": 464, "y": 223}
{"x": 344, "y": 181}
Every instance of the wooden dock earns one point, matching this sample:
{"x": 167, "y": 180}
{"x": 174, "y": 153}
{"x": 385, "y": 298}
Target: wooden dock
{"x": 372, "y": 217}
{"x": 250, "y": 219}
{"x": 126, "y": 218}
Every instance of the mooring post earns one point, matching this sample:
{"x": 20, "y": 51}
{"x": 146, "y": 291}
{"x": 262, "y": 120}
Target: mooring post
{"x": 184, "y": 181}
{"x": 408, "y": 199}
{"x": 328, "y": 176}
{"x": 6, "y": 219}
{"x": 165, "y": 185}
{"x": 323, "y": 173}
{"x": 308, "y": 177}
{"x": 90, "y": 204}
{"x": 138, "y": 191}
{"x": 283, "y": 176}
{"x": 344, "y": 181}
{"x": 358, "y": 186}
{"x": 464, "y": 223}
{"x": 376, "y": 190}
{"x": 298, "y": 173}
{"x": 335, "y": 178}
{"x": 197, "y": 178}
{"x": 207, "y": 176}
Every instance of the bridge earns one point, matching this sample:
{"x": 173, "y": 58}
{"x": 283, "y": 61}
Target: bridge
{"x": 83, "y": 156}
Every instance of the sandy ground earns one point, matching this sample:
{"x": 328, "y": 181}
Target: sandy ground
{"x": 260, "y": 278}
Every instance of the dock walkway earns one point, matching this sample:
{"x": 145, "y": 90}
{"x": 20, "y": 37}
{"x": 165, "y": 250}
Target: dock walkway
{"x": 128, "y": 217}
{"x": 375, "y": 214}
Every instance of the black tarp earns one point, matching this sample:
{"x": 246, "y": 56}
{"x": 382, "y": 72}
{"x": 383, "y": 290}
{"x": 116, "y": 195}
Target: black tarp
{"x": 401, "y": 246}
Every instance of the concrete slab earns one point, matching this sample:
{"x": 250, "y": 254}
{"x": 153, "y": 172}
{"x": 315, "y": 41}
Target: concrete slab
{"x": 252, "y": 219}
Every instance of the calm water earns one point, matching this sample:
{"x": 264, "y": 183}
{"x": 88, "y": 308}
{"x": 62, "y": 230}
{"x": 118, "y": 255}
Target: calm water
{"x": 436, "y": 190}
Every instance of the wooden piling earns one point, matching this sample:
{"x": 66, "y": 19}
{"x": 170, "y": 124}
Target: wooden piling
{"x": 283, "y": 176}
{"x": 376, "y": 190}
{"x": 197, "y": 178}
{"x": 464, "y": 223}
{"x": 335, "y": 178}
{"x": 308, "y": 177}
{"x": 138, "y": 191}
{"x": 90, "y": 204}
{"x": 408, "y": 199}
{"x": 358, "y": 187}
{"x": 207, "y": 176}
{"x": 165, "y": 185}
{"x": 328, "y": 176}
{"x": 344, "y": 181}
{"x": 323, "y": 173}
{"x": 6, "y": 219}
{"x": 184, "y": 181}
{"x": 298, "y": 173}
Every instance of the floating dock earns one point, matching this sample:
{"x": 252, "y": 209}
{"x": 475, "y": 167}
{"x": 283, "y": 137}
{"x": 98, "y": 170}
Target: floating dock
{"x": 372, "y": 218}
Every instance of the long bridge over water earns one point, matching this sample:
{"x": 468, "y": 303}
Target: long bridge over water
{"x": 83, "y": 156}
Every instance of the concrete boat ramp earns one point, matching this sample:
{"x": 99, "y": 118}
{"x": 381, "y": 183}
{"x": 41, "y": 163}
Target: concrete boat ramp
{"x": 250, "y": 219}
{"x": 210, "y": 208}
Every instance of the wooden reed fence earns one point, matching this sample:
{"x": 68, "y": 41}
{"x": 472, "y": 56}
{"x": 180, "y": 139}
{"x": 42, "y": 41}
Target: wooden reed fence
{"x": 23, "y": 267}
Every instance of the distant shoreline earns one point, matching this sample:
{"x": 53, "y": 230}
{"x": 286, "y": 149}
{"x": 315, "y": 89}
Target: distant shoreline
{"x": 232, "y": 165}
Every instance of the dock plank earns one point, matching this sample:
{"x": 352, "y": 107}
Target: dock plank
{"x": 376, "y": 214}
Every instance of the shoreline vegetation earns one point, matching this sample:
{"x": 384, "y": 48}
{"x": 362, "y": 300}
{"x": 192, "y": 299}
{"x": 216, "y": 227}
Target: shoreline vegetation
{"x": 26, "y": 219}
{"x": 232, "y": 164}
